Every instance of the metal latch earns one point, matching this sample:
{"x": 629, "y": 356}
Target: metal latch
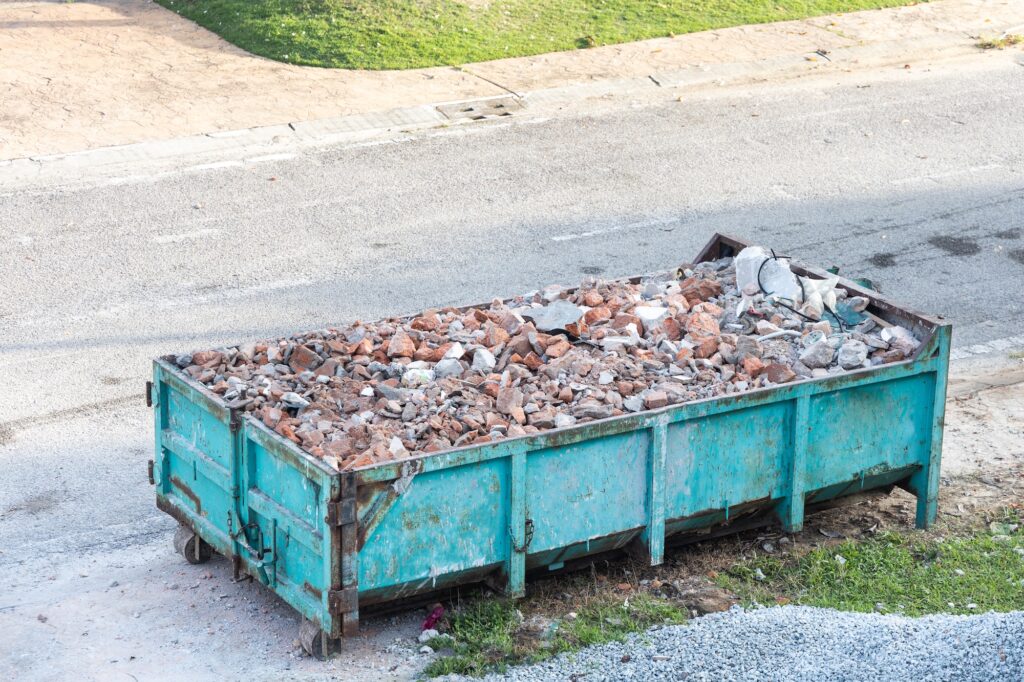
{"x": 149, "y": 470}
{"x": 516, "y": 547}
{"x": 343, "y": 601}
{"x": 342, "y": 512}
{"x": 149, "y": 394}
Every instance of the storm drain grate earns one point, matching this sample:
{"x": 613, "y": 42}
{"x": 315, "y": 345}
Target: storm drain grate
{"x": 481, "y": 109}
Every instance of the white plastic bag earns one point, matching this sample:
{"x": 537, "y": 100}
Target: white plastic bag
{"x": 777, "y": 280}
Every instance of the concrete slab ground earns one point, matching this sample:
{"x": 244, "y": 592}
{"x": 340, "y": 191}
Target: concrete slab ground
{"x": 85, "y": 75}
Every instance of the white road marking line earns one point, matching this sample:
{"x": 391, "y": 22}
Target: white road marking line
{"x": 614, "y": 228}
{"x": 183, "y": 237}
{"x": 212, "y": 166}
{"x": 284, "y": 156}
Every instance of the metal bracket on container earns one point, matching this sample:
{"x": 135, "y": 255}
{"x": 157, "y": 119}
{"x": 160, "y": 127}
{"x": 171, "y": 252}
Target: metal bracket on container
{"x": 234, "y": 421}
{"x": 527, "y": 540}
{"x": 342, "y": 512}
{"x": 149, "y": 470}
{"x": 343, "y": 601}
{"x": 149, "y": 394}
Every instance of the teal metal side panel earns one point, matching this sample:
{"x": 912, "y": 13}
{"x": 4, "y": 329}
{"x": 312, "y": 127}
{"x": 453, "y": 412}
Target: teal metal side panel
{"x": 284, "y": 508}
{"x": 254, "y": 497}
{"x": 869, "y": 430}
{"x": 192, "y": 468}
{"x": 726, "y": 459}
{"x": 433, "y": 529}
{"x": 586, "y": 491}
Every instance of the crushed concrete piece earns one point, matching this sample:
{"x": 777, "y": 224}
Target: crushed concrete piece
{"x": 557, "y": 315}
{"x": 817, "y": 355}
{"x": 483, "y": 360}
{"x": 852, "y": 354}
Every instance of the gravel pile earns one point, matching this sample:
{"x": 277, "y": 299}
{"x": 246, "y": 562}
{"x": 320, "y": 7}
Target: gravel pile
{"x": 801, "y": 643}
{"x": 382, "y": 391}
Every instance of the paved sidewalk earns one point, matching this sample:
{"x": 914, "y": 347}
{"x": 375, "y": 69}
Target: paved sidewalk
{"x": 82, "y": 75}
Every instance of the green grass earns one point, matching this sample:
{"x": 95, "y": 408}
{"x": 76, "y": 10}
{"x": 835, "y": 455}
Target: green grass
{"x": 482, "y": 636}
{"x": 904, "y": 574}
{"x": 1002, "y": 43}
{"x": 402, "y": 34}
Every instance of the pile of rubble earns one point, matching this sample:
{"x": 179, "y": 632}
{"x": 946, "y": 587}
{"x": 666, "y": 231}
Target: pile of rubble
{"x": 381, "y": 391}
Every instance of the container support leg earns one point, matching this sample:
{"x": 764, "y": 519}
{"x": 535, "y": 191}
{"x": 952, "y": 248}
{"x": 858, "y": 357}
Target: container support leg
{"x": 652, "y": 538}
{"x": 791, "y": 509}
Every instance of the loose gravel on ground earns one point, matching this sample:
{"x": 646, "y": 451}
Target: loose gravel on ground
{"x": 802, "y": 643}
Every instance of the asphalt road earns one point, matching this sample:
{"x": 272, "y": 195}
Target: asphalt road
{"x": 911, "y": 178}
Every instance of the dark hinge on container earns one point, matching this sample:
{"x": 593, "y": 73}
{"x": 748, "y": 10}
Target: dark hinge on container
{"x": 235, "y": 421}
{"x": 342, "y": 512}
{"x": 149, "y": 394}
{"x": 149, "y": 470}
{"x": 344, "y": 601}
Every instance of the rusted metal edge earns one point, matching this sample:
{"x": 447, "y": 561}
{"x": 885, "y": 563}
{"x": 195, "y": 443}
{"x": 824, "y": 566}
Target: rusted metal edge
{"x": 343, "y": 599}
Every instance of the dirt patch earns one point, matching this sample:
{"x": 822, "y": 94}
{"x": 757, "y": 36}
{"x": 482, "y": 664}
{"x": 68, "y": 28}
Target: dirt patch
{"x": 35, "y": 504}
{"x": 883, "y": 260}
{"x": 956, "y": 246}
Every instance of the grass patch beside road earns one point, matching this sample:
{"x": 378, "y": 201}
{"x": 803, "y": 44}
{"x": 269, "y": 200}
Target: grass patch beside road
{"x": 895, "y": 573}
{"x": 484, "y": 635}
{"x": 1002, "y": 43}
{"x": 402, "y": 34}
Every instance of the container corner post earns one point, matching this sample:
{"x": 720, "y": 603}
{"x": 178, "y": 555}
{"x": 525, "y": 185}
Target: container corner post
{"x": 925, "y": 482}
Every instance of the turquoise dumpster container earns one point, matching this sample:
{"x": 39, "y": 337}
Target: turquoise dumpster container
{"x": 329, "y": 542}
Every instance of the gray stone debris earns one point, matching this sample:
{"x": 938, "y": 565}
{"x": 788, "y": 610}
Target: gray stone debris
{"x": 818, "y": 354}
{"x": 558, "y": 314}
{"x": 381, "y": 391}
{"x": 852, "y": 354}
{"x": 483, "y": 360}
{"x": 294, "y": 400}
{"x": 448, "y": 367}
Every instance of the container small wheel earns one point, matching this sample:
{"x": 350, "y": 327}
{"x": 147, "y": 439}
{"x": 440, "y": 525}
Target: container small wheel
{"x": 191, "y": 546}
{"x": 311, "y": 638}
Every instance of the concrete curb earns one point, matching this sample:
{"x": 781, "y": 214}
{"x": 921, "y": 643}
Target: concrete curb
{"x": 278, "y": 142}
